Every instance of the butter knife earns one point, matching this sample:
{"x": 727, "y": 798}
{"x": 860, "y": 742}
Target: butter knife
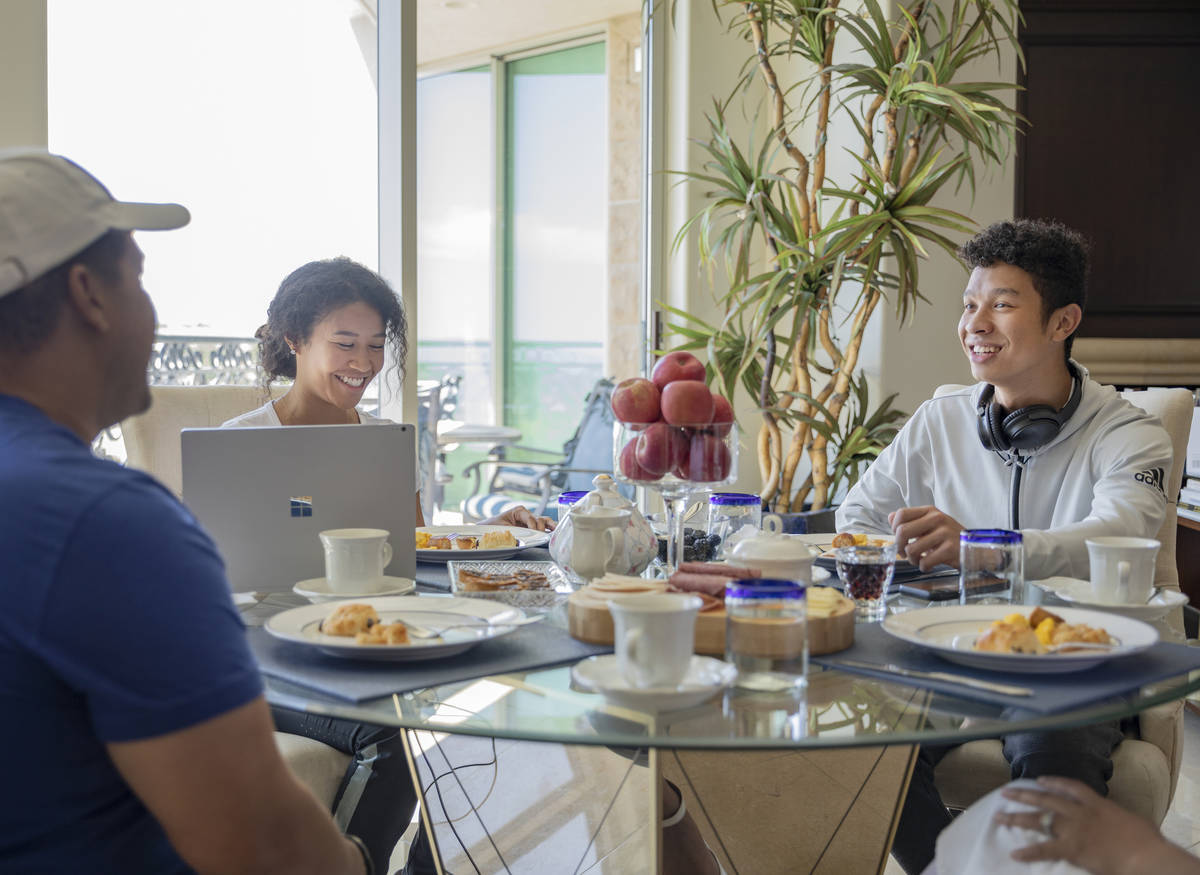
{"x": 892, "y": 668}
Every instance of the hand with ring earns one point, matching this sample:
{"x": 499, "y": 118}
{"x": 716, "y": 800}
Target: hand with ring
{"x": 1091, "y": 832}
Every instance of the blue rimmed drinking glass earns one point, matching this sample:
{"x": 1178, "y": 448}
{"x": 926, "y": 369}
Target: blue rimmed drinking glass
{"x": 731, "y": 517}
{"x": 991, "y": 567}
{"x": 766, "y": 633}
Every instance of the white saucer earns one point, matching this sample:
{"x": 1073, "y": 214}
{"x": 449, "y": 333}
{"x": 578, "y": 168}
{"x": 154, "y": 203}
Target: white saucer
{"x": 317, "y": 590}
{"x": 704, "y": 679}
{"x": 1079, "y": 592}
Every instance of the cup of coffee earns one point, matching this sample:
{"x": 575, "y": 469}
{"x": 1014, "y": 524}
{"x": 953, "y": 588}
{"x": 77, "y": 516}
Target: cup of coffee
{"x": 1122, "y": 569}
{"x": 355, "y": 558}
{"x": 654, "y": 637}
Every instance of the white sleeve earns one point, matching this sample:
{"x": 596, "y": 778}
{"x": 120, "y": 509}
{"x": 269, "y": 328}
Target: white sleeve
{"x": 885, "y": 486}
{"x": 1122, "y": 503}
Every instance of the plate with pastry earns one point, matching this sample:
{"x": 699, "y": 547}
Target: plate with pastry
{"x": 443, "y": 543}
{"x": 1022, "y": 639}
{"x": 829, "y": 544}
{"x": 391, "y": 628}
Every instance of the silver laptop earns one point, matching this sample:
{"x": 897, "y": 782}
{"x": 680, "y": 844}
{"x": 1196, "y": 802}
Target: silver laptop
{"x": 264, "y": 494}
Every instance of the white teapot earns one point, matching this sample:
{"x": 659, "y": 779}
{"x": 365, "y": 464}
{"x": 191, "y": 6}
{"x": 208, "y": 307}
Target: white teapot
{"x": 640, "y": 543}
{"x": 598, "y": 543}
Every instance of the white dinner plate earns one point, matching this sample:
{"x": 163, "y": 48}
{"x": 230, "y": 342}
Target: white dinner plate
{"x": 476, "y": 620}
{"x": 704, "y": 679}
{"x": 318, "y": 590}
{"x": 1079, "y": 592}
{"x": 950, "y": 632}
{"x": 525, "y": 538}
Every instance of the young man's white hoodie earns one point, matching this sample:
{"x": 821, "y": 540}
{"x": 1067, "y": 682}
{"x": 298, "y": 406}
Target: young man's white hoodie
{"x": 1103, "y": 474}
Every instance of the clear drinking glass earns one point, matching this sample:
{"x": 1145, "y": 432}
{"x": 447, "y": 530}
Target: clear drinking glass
{"x": 866, "y": 573}
{"x": 731, "y": 517}
{"x": 991, "y": 567}
{"x": 766, "y": 634}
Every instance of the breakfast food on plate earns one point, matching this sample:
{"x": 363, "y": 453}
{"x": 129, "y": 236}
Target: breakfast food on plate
{"x": 1041, "y": 630}
{"x": 858, "y": 539}
{"x": 349, "y": 619}
{"x": 520, "y": 579}
{"x": 497, "y": 539}
{"x": 383, "y": 633}
{"x": 454, "y": 541}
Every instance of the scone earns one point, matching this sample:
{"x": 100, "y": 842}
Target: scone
{"x": 384, "y": 633}
{"x": 494, "y": 540}
{"x": 349, "y": 619}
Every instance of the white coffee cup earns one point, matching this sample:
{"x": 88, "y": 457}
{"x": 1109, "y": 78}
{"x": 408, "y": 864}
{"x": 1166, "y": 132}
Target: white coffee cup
{"x": 1122, "y": 569}
{"x": 654, "y": 636}
{"x": 355, "y": 558}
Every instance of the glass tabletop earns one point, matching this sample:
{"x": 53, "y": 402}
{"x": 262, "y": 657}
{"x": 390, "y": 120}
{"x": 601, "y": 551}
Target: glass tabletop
{"x": 838, "y": 709}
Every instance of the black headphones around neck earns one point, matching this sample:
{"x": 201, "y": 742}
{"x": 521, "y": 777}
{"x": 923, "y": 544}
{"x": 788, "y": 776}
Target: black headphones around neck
{"x": 1027, "y": 428}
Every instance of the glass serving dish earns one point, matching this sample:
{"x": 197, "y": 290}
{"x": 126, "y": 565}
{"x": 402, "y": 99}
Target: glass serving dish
{"x": 675, "y": 461}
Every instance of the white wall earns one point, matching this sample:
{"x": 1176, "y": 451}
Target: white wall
{"x": 23, "y": 85}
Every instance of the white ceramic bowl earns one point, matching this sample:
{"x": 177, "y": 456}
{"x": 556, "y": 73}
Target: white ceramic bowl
{"x": 775, "y": 556}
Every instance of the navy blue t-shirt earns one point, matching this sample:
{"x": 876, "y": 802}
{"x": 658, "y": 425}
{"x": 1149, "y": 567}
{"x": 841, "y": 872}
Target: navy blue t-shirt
{"x": 116, "y": 624}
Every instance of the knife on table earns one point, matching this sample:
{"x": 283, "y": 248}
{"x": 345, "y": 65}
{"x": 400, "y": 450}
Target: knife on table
{"x": 892, "y": 668}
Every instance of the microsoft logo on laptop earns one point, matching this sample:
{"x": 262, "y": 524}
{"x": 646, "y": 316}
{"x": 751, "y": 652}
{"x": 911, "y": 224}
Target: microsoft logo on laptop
{"x": 301, "y": 505}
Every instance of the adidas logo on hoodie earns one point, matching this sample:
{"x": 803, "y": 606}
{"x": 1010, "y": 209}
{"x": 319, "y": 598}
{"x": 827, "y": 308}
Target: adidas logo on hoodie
{"x": 1153, "y": 477}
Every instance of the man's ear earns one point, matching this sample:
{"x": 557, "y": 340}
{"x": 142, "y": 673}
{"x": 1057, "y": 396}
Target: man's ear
{"x": 86, "y": 295}
{"x": 1065, "y": 320}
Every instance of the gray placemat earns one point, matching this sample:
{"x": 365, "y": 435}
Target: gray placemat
{"x": 529, "y": 647}
{"x": 1051, "y": 692}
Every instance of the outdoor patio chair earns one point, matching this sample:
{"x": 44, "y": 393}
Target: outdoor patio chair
{"x": 1146, "y": 764}
{"x": 502, "y": 482}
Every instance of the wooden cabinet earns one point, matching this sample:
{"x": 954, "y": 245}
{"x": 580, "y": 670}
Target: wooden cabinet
{"x": 1187, "y": 559}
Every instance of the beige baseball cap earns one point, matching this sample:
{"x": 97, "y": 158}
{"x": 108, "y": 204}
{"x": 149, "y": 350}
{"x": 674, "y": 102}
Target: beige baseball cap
{"x": 52, "y": 209}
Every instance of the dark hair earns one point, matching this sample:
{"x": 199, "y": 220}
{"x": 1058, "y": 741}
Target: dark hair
{"x": 1051, "y": 253}
{"x": 28, "y": 315}
{"x": 309, "y": 294}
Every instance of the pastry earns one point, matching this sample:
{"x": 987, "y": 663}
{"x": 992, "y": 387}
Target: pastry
{"x": 349, "y": 619}
{"x": 494, "y": 540}
{"x": 383, "y": 633}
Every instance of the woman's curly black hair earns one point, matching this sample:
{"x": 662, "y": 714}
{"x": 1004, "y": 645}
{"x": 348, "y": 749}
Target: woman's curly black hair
{"x": 309, "y": 294}
{"x": 1055, "y": 256}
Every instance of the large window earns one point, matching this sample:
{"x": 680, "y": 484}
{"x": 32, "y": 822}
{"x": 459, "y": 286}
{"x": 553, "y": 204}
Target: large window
{"x": 512, "y": 240}
{"x": 260, "y": 117}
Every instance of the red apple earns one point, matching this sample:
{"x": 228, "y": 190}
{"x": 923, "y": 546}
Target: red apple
{"x": 708, "y": 459}
{"x": 677, "y": 365}
{"x": 629, "y": 463}
{"x": 636, "y": 400}
{"x": 661, "y": 447}
{"x": 722, "y": 409}
{"x": 687, "y": 402}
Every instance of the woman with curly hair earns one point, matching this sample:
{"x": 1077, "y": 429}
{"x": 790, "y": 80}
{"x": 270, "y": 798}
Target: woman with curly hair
{"x": 326, "y": 330}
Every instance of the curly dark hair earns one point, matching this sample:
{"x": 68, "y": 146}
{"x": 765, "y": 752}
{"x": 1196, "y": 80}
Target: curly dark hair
{"x": 1055, "y": 256}
{"x": 309, "y": 294}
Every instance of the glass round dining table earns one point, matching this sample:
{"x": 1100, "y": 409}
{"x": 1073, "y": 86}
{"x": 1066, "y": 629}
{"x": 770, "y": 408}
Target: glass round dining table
{"x": 837, "y": 710}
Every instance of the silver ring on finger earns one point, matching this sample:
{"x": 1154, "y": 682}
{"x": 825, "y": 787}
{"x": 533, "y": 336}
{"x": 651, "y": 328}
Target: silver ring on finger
{"x": 1046, "y": 822}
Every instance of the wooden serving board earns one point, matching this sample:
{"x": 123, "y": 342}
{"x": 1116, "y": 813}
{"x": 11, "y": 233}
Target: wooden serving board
{"x": 588, "y": 620}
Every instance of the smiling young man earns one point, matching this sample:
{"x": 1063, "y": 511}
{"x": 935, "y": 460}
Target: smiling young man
{"x": 1035, "y": 446}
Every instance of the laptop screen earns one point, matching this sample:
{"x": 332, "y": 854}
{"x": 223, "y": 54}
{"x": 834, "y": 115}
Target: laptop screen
{"x": 264, "y": 495}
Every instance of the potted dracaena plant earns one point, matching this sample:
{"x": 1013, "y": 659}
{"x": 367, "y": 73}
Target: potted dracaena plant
{"x": 808, "y": 259}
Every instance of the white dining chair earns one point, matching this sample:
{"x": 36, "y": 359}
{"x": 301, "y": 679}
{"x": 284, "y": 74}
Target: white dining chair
{"x": 1146, "y": 764}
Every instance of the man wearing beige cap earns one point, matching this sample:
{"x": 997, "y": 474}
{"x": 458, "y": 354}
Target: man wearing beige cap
{"x": 135, "y": 736}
